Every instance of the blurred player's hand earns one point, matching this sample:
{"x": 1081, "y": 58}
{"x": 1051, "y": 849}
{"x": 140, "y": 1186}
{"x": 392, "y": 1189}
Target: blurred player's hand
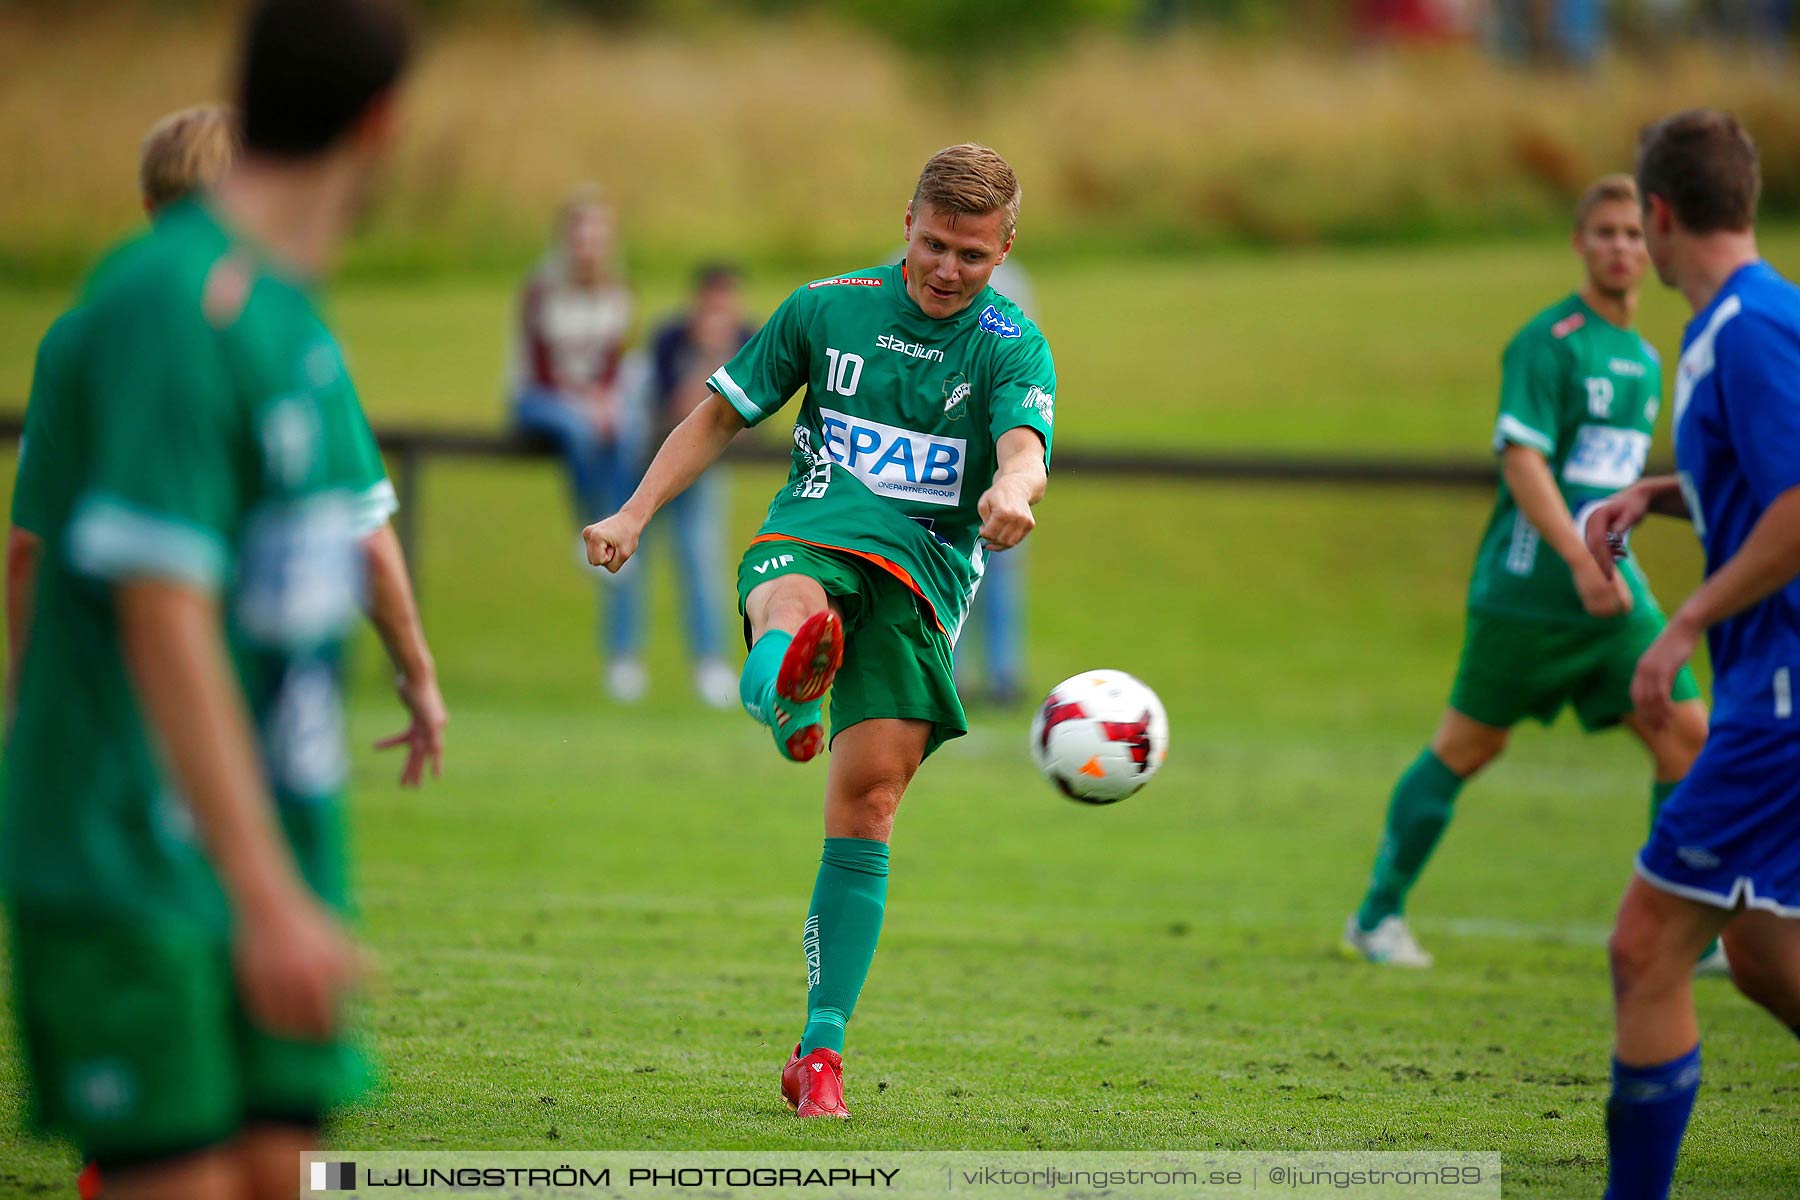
{"x": 1657, "y": 669}
{"x": 294, "y": 966}
{"x": 1603, "y": 594}
{"x": 1005, "y": 512}
{"x": 1609, "y": 522}
{"x": 610, "y": 543}
{"x": 424, "y": 738}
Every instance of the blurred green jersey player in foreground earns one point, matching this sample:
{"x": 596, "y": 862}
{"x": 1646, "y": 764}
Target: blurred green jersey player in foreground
{"x": 922, "y": 443}
{"x": 186, "y": 151}
{"x": 171, "y": 847}
{"x": 1579, "y": 395}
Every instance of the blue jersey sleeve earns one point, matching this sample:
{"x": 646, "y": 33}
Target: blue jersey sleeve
{"x": 1759, "y": 366}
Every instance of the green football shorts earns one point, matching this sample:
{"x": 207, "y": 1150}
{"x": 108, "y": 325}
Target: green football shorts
{"x": 136, "y": 1046}
{"x": 896, "y": 659}
{"x": 1513, "y": 669}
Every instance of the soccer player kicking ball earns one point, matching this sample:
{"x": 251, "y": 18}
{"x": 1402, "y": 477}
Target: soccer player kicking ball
{"x": 171, "y": 849}
{"x": 922, "y": 443}
{"x": 1724, "y": 852}
{"x": 1579, "y": 394}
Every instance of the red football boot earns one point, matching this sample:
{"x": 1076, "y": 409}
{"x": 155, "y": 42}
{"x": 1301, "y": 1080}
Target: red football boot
{"x": 811, "y": 659}
{"x": 814, "y": 1086}
{"x": 88, "y": 1182}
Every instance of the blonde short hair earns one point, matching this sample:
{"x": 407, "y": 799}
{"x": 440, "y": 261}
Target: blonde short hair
{"x": 1607, "y": 189}
{"x": 970, "y": 180}
{"x": 185, "y": 151}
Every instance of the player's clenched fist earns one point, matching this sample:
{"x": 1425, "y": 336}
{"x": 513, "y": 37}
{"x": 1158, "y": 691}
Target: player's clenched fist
{"x": 1610, "y": 522}
{"x": 612, "y": 541}
{"x": 1005, "y": 512}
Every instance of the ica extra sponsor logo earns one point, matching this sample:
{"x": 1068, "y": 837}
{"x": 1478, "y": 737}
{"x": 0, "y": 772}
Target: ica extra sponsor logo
{"x": 899, "y": 345}
{"x": 845, "y": 281}
{"x": 996, "y": 322}
{"x": 901, "y": 463}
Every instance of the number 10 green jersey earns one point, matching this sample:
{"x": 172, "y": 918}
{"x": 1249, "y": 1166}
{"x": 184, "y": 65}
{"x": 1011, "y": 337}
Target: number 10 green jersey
{"x": 895, "y": 441}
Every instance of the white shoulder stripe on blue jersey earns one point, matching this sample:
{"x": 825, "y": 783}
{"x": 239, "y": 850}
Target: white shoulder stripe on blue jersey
{"x": 1697, "y": 360}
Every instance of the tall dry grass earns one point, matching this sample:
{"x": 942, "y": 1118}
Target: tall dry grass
{"x": 800, "y": 143}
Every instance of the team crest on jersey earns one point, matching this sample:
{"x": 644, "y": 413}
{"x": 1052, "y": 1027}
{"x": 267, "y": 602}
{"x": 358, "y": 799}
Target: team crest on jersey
{"x": 290, "y": 434}
{"x": 957, "y": 390}
{"x": 996, "y": 322}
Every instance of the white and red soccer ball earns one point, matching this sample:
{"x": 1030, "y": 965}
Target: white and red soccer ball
{"x": 1100, "y": 736}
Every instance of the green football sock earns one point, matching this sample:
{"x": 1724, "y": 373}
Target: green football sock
{"x": 842, "y": 928}
{"x": 756, "y": 686}
{"x": 1416, "y": 818}
{"x": 1660, "y": 791}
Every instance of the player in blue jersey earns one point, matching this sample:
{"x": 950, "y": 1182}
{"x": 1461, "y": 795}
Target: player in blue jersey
{"x": 1724, "y": 852}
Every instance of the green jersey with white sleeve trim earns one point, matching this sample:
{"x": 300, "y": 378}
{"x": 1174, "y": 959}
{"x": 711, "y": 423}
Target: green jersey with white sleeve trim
{"x": 1584, "y": 393}
{"x": 209, "y": 435}
{"x": 895, "y": 441}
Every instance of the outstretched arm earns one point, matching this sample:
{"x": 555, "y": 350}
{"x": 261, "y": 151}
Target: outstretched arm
{"x": 395, "y": 614}
{"x": 1019, "y": 482}
{"x": 691, "y": 447}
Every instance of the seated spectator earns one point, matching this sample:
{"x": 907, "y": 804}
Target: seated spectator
{"x": 575, "y": 317}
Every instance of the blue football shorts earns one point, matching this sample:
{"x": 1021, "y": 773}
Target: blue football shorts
{"x": 1730, "y": 834}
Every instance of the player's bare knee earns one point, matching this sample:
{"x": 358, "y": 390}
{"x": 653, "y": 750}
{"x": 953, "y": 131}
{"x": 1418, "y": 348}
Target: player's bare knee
{"x": 1637, "y": 953}
{"x": 1466, "y": 746}
{"x": 866, "y": 804}
{"x": 784, "y": 603}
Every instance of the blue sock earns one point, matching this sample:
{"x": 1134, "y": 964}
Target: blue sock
{"x": 1645, "y": 1118}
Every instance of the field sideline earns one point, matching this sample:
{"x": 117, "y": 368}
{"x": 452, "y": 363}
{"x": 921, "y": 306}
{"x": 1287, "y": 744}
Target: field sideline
{"x": 588, "y": 931}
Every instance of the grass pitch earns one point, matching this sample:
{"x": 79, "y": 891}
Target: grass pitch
{"x": 589, "y": 929}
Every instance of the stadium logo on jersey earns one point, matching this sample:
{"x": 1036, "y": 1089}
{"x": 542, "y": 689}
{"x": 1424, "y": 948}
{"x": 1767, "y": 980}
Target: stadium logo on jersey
{"x": 1044, "y": 402}
{"x": 845, "y": 281}
{"x": 898, "y": 345}
{"x": 902, "y": 464}
{"x": 995, "y": 322}
{"x": 956, "y": 396}
{"x": 1625, "y": 366}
